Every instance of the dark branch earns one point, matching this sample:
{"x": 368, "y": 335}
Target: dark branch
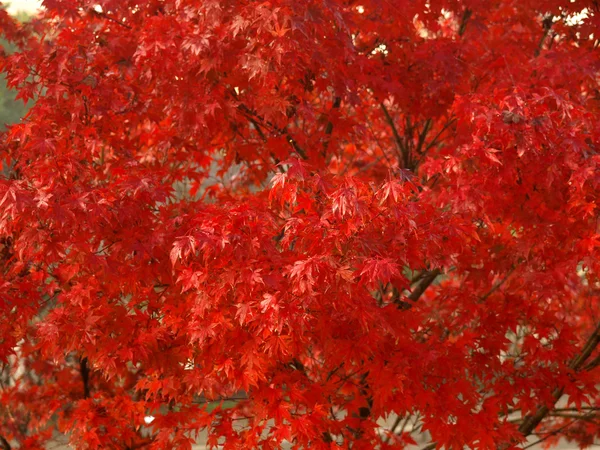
{"x": 532, "y": 421}
{"x": 240, "y": 396}
{"x": 258, "y": 129}
{"x": 463, "y": 23}
{"x": 329, "y": 128}
{"x": 282, "y": 131}
{"x": 4, "y": 443}
{"x": 84, "y": 370}
{"x": 547, "y": 25}
{"x": 263, "y": 137}
{"x": 424, "y": 284}
{"x": 589, "y": 416}
{"x": 496, "y": 286}
{"x": 423, "y": 135}
{"x": 435, "y": 140}
{"x": 395, "y": 426}
{"x": 426, "y": 280}
{"x": 112, "y": 19}
{"x": 402, "y": 150}
{"x": 592, "y": 364}
{"x": 554, "y": 433}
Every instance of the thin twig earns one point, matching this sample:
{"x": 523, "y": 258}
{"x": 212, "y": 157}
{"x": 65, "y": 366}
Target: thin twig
{"x": 587, "y": 416}
{"x": 393, "y": 429}
{"x": 435, "y": 140}
{"x": 532, "y": 421}
{"x": 282, "y": 131}
{"x": 423, "y": 135}
{"x": 402, "y": 150}
{"x": 112, "y": 19}
{"x": 497, "y": 286}
{"x": 553, "y": 433}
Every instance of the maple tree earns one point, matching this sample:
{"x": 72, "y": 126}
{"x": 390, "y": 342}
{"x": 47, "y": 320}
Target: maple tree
{"x": 344, "y": 210}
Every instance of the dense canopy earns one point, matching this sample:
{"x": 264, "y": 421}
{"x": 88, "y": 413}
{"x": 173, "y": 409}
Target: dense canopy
{"x": 334, "y": 211}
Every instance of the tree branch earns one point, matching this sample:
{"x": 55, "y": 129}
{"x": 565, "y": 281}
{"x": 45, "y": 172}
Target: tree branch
{"x": 423, "y": 135}
{"x": 592, "y": 364}
{"x": 282, "y": 131}
{"x": 395, "y": 426}
{"x": 589, "y": 416}
{"x": 554, "y": 432}
{"x": 496, "y": 286}
{"x": 426, "y": 280}
{"x": 263, "y": 137}
{"x": 532, "y": 421}
{"x": 234, "y": 398}
{"x": 329, "y": 128}
{"x": 424, "y": 284}
{"x": 435, "y": 140}
{"x": 463, "y": 23}
{"x": 112, "y": 19}
{"x": 84, "y": 370}
{"x": 402, "y": 150}
{"x": 4, "y": 443}
{"x": 258, "y": 129}
{"x": 547, "y": 25}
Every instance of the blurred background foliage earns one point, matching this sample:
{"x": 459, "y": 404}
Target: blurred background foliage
{"x": 11, "y": 110}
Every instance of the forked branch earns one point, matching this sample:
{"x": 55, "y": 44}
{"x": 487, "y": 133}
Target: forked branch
{"x": 4, "y": 443}
{"x": 426, "y": 280}
{"x": 402, "y": 149}
{"x": 532, "y": 421}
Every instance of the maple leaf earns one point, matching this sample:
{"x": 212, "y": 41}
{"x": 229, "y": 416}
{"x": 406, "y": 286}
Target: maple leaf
{"x": 303, "y": 273}
{"x": 391, "y": 189}
{"x": 380, "y": 270}
{"x": 182, "y": 247}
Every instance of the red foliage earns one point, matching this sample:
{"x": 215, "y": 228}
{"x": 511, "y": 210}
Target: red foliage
{"x": 343, "y": 209}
